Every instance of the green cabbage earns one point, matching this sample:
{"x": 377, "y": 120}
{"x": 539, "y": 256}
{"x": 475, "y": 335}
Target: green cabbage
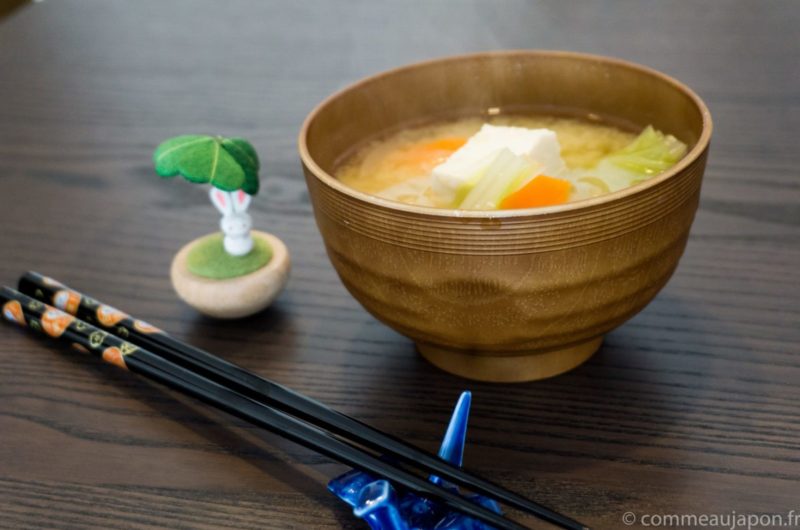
{"x": 651, "y": 153}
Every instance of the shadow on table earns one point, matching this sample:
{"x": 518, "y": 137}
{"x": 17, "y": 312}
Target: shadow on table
{"x": 246, "y": 337}
{"x": 633, "y": 403}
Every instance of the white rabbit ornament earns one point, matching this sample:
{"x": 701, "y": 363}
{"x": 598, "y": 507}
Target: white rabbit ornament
{"x": 241, "y": 271}
{"x": 236, "y": 222}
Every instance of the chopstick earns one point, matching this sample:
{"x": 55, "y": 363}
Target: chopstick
{"x": 273, "y": 394}
{"x": 41, "y": 317}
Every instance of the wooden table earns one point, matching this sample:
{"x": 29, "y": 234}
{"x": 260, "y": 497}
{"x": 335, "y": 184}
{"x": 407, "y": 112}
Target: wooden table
{"x": 690, "y": 408}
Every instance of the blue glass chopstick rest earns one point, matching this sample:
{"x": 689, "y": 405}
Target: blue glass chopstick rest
{"x": 384, "y": 507}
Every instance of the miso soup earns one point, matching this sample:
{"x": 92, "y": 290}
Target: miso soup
{"x": 507, "y": 161}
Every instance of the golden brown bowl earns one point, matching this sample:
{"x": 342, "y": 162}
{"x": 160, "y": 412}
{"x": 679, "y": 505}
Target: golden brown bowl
{"x": 512, "y": 295}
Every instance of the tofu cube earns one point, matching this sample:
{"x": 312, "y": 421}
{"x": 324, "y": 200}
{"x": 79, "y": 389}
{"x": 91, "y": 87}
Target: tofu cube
{"x": 464, "y": 167}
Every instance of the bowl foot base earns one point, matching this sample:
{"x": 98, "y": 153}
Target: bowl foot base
{"x": 513, "y": 368}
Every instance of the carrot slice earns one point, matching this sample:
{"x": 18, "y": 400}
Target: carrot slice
{"x": 446, "y": 144}
{"x": 541, "y": 191}
{"x": 429, "y": 154}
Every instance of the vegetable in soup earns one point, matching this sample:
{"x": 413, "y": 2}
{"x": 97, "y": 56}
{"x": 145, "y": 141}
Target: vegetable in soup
{"x": 508, "y": 162}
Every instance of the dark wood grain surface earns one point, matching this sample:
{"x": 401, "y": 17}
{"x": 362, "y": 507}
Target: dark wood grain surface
{"x": 691, "y": 407}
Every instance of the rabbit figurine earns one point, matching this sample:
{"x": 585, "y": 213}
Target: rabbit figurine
{"x": 236, "y": 222}
{"x": 240, "y": 271}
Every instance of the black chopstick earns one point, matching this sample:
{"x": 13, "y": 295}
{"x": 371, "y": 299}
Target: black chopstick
{"x": 273, "y": 394}
{"x": 41, "y": 317}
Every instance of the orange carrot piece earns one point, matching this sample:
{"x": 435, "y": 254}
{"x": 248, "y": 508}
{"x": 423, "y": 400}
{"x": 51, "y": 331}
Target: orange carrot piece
{"x": 541, "y": 191}
{"x": 427, "y": 155}
{"x": 446, "y": 144}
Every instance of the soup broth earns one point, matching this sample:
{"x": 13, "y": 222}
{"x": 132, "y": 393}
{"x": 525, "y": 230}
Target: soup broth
{"x": 399, "y": 166}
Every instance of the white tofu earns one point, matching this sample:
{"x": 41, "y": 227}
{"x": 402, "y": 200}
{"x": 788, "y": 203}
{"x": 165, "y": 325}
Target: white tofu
{"x": 468, "y": 163}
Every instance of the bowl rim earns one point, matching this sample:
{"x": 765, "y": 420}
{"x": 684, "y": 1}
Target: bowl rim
{"x": 323, "y": 176}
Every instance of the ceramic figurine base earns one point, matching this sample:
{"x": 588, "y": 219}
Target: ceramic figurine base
{"x": 518, "y": 368}
{"x": 233, "y": 297}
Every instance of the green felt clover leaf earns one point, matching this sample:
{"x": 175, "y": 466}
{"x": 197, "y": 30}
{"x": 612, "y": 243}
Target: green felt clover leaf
{"x": 229, "y": 164}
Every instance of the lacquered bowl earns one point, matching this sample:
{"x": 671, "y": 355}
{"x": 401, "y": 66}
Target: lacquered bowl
{"x": 511, "y": 295}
